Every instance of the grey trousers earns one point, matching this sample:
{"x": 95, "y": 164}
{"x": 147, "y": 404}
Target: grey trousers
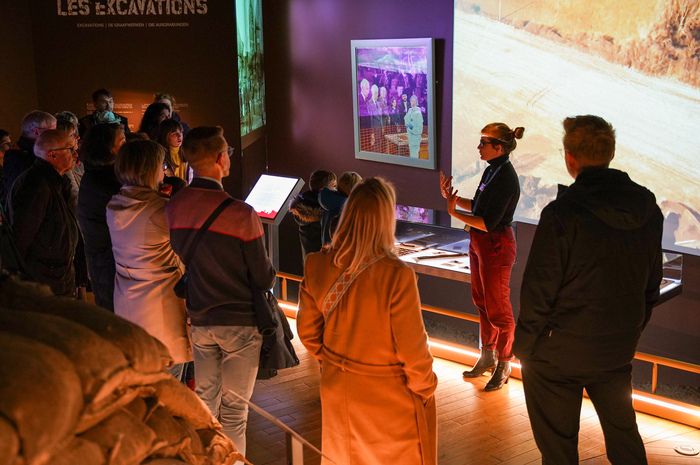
{"x": 226, "y": 358}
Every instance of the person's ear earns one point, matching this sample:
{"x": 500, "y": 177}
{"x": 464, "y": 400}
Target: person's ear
{"x": 572, "y": 164}
{"x": 220, "y": 159}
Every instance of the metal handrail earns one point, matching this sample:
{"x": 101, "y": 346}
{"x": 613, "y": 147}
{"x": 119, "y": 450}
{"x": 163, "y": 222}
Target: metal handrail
{"x": 655, "y": 360}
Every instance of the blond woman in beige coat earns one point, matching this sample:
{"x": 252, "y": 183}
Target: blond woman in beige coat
{"x": 359, "y": 314}
{"x": 147, "y": 267}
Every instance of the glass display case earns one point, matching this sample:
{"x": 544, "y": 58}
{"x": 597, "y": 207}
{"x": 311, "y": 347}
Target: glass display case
{"x": 672, "y": 282}
{"x": 428, "y": 244}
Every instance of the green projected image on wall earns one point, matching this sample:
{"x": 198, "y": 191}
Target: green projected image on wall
{"x": 251, "y": 78}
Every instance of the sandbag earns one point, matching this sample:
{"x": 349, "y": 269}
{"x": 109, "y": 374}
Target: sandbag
{"x": 219, "y": 447}
{"x": 40, "y": 394}
{"x": 9, "y": 443}
{"x": 124, "y": 438}
{"x": 145, "y": 353}
{"x": 99, "y": 363}
{"x": 181, "y": 402}
{"x": 95, "y": 413}
{"x": 142, "y": 407}
{"x": 174, "y": 437}
{"x": 79, "y": 452}
{"x": 196, "y": 447}
{"x": 165, "y": 462}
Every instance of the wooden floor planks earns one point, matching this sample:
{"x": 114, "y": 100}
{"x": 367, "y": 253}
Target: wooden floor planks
{"x": 475, "y": 427}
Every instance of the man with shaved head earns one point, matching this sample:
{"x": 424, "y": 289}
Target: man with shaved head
{"x": 43, "y": 223}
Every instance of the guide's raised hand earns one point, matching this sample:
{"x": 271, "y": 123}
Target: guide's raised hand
{"x": 452, "y": 199}
{"x": 445, "y": 185}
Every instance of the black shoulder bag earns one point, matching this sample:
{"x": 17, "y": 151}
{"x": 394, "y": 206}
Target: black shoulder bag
{"x": 277, "y": 351}
{"x": 181, "y": 286}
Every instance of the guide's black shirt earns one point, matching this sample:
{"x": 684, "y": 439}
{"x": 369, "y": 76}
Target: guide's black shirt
{"x": 501, "y": 191}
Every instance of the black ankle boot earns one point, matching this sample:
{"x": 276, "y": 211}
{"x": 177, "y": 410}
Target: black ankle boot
{"x": 487, "y": 360}
{"x": 499, "y": 378}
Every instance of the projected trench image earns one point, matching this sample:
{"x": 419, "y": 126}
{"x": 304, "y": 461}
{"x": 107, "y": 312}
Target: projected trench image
{"x": 636, "y": 63}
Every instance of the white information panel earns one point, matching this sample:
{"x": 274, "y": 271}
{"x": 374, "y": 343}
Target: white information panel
{"x": 271, "y": 195}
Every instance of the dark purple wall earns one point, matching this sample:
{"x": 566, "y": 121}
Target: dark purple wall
{"x": 309, "y": 85}
{"x": 309, "y": 92}
{"x": 18, "y": 94}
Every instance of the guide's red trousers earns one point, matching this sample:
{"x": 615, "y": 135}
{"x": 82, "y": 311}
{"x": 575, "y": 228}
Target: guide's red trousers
{"x": 491, "y": 256}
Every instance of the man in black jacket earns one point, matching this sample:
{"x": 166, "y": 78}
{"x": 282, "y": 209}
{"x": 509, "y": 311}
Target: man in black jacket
{"x": 42, "y": 219}
{"x": 591, "y": 280}
{"x": 18, "y": 160}
{"x": 104, "y": 113}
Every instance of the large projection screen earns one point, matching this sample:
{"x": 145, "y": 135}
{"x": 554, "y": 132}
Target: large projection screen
{"x": 636, "y": 63}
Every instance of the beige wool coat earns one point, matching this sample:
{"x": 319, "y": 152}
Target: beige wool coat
{"x": 377, "y": 381}
{"x": 147, "y": 268}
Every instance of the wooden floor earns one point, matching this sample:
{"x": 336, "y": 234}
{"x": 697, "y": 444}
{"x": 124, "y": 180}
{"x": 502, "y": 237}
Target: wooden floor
{"x": 475, "y": 427}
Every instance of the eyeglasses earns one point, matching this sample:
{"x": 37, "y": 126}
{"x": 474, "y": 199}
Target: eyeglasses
{"x": 74, "y": 150}
{"x": 230, "y": 151}
{"x": 489, "y": 140}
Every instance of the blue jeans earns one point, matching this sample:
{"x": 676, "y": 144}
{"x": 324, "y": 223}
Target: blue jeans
{"x": 226, "y": 358}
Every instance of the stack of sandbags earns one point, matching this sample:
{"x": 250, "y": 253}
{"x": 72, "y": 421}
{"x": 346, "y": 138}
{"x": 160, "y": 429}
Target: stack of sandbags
{"x": 81, "y": 386}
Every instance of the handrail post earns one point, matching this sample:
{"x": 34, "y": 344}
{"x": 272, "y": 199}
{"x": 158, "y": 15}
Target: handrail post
{"x": 284, "y": 288}
{"x": 654, "y": 376}
{"x": 295, "y": 451}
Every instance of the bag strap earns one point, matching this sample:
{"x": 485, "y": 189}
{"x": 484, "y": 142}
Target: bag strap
{"x": 200, "y": 232}
{"x": 341, "y": 286}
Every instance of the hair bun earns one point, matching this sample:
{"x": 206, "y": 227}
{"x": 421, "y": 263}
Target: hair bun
{"x": 518, "y": 132}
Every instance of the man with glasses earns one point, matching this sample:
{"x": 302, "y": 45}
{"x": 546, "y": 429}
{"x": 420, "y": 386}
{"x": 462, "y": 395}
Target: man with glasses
{"x": 44, "y": 226}
{"x": 230, "y": 261}
{"x": 20, "y": 159}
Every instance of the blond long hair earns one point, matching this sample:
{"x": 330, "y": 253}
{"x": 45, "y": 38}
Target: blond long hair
{"x": 367, "y": 225}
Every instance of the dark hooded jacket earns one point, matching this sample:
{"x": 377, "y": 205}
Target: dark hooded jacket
{"x": 97, "y": 187}
{"x": 17, "y": 161}
{"x": 332, "y": 203}
{"x": 307, "y": 213}
{"x": 593, "y": 274}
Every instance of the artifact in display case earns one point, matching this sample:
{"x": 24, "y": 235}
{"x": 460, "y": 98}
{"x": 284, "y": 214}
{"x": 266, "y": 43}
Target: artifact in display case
{"x": 430, "y": 247}
{"x": 672, "y": 281}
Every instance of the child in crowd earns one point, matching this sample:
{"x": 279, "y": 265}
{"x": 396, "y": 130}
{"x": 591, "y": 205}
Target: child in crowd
{"x": 307, "y": 211}
{"x": 332, "y": 202}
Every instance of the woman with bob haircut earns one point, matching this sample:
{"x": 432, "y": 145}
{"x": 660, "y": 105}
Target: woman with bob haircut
{"x": 359, "y": 315}
{"x": 491, "y": 248}
{"x": 147, "y": 267}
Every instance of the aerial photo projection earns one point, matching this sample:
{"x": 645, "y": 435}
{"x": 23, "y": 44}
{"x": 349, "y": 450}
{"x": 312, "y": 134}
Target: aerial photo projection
{"x": 636, "y": 63}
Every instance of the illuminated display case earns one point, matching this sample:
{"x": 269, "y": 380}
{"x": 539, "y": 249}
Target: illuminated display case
{"x": 672, "y": 282}
{"x": 426, "y": 242}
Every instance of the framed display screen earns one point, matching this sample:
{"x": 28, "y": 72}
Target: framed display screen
{"x": 393, "y": 101}
{"x": 271, "y": 195}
